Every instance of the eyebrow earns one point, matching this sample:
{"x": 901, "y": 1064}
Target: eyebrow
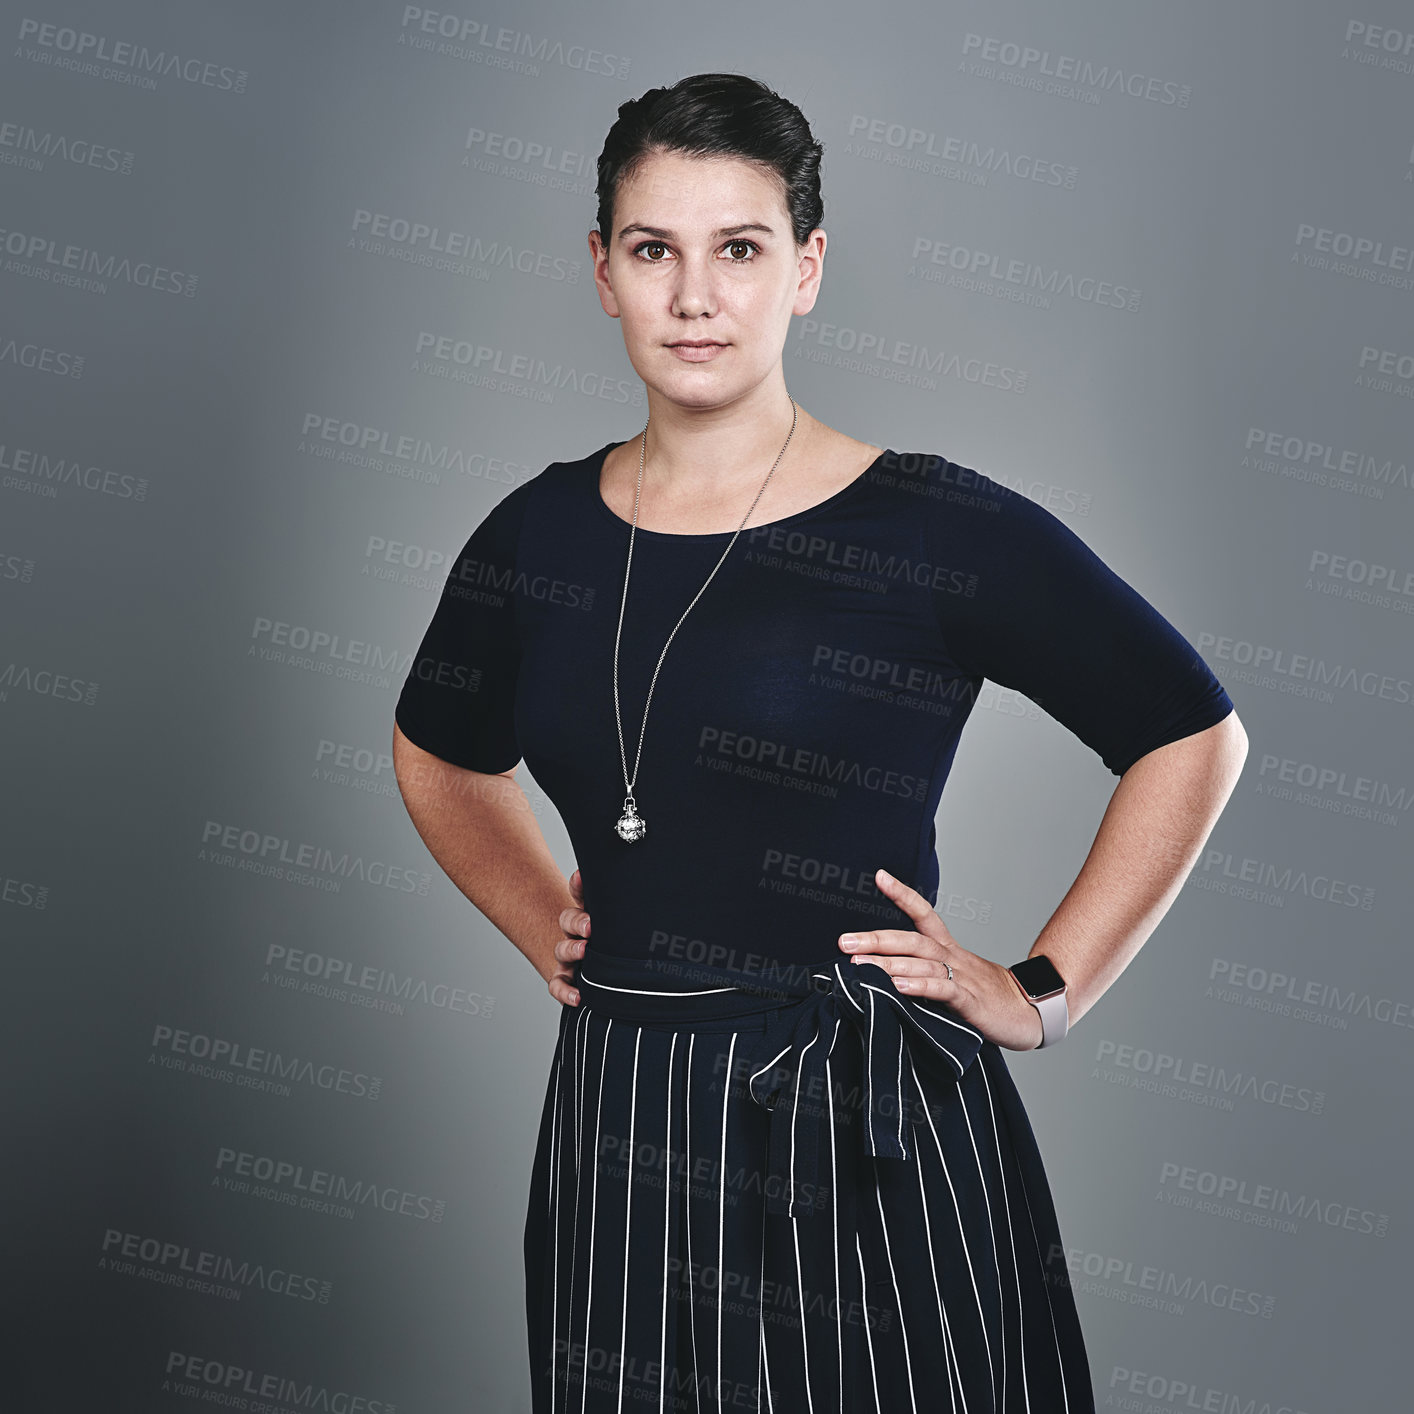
{"x": 661, "y": 234}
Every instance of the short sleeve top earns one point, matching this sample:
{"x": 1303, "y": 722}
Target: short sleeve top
{"x": 808, "y": 710}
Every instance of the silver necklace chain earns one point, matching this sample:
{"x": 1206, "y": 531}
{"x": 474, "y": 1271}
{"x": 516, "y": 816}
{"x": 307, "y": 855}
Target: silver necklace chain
{"x": 631, "y": 826}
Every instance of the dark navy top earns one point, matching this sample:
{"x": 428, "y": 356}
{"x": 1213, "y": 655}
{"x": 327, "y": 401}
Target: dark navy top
{"x": 807, "y": 713}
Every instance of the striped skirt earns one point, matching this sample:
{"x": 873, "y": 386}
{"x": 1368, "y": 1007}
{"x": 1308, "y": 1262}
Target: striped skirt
{"x": 807, "y": 1195}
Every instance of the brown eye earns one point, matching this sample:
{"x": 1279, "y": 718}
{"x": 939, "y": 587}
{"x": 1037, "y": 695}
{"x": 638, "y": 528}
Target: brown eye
{"x": 656, "y": 245}
{"x": 751, "y": 245}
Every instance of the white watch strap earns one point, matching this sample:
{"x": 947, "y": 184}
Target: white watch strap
{"x": 1055, "y": 1019}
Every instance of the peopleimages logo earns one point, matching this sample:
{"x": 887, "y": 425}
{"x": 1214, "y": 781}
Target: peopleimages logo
{"x": 41, "y": 467}
{"x": 1034, "y": 284}
{"x": 24, "y": 146}
{"x": 1160, "y": 1288}
{"x": 1302, "y": 674}
{"x": 258, "y": 1068}
{"x": 211, "y": 1381}
{"x": 1262, "y": 1204}
{"x": 1379, "y": 46}
{"x": 378, "y": 988}
{"x": 23, "y": 893}
{"x": 1386, "y": 371}
{"x": 522, "y": 372}
{"x": 1310, "y": 1000}
{"x": 1358, "y": 256}
{"x": 940, "y": 154}
{"x": 173, "y": 1263}
{"x": 1027, "y": 67}
{"x": 1331, "y": 788}
{"x": 19, "y": 353}
{"x": 1273, "y": 881}
{"x": 282, "y": 857}
{"x": 42, "y": 257}
{"x": 102, "y": 57}
{"x": 322, "y": 650}
{"x": 1285, "y": 453}
{"x": 315, "y": 1189}
{"x": 45, "y": 682}
{"x": 541, "y": 163}
{"x": 401, "y": 454}
{"x": 1206, "y": 1082}
{"x": 882, "y": 354}
{"x": 476, "y": 42}
{"x": 422, "y": 243}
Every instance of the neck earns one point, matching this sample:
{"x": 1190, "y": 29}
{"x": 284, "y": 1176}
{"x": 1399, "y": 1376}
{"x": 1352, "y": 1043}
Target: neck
{"x": 703, "y": 453}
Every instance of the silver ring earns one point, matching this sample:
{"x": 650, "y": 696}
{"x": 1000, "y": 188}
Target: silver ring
{"x": 949, "y": 967}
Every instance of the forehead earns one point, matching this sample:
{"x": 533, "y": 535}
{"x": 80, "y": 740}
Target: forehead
{"x": 674, "y": 182}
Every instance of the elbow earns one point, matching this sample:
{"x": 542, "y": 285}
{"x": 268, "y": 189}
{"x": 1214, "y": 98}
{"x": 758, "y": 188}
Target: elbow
{"x": 1231, "y": 743}
{"x": 1205, "y": 764}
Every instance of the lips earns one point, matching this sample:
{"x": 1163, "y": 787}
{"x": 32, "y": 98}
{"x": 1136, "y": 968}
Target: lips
{"x": 697, "y": 344}
{"x": 697, "y": 352}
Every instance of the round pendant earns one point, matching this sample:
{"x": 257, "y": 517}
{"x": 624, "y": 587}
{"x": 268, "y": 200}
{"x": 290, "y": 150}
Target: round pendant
{"x": 631, "y": 825}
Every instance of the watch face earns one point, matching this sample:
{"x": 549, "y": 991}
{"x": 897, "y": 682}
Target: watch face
{"x": 1038, "y": 976}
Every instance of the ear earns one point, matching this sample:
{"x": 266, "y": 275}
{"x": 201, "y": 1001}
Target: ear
{"x": 599, "y": 257}
{"x": 811, "y": 266}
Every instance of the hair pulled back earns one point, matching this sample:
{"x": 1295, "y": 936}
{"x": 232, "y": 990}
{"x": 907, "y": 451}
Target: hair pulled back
{"x": 716, "y": 115}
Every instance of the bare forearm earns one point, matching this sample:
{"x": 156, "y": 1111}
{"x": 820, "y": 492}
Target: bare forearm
{"x": 482, "y": 832}
{"x": 1152, "y": 833}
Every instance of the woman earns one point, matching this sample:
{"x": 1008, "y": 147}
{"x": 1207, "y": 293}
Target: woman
{"x": 779, "y": 1169}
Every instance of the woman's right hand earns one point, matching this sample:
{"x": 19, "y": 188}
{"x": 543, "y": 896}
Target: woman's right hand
{"x": 574, "y": 922}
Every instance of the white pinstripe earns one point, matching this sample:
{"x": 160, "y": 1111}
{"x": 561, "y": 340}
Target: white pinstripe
{"x": 869, "y": 1076}
{"x": 1015, "y": 1266}
{"x": 868, "y": 1336}
{"x": 628, "y": 1213}
{"x": 794, "y": 1115}
{"x": 761, "y": 1311}
{"x": 804, "y": 1323}
{"x": 992, "y": 1237}
{"x": 898, "y": 1090}
{"x": 898, "y": 1297}
{"x": 835, "y": 1222}
{"x": 765, "y": 1355}
{"x": 949, "y": 1363}
{"x": 966, "y": 1251}
{"x": 1046, "y": 1287}
{"x": 667, "y": 1229}
{"x": 552, "y": 1214}
{"x": 594, "y": 1212}
{"x": 691, "y": 1288}
{"x": 581, "y": 1028}
{"x": 722, "y": 1216}
{"x": 646, "y": 992}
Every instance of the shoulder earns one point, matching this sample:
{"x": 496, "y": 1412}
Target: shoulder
{"x": 537, "y": 493}
{"x": 960, "y": 502}
{"x": 948, "y": 499}
{"x": 559, "y": 484}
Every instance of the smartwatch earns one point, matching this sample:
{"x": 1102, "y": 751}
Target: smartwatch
{"x": 1044, "y": 988}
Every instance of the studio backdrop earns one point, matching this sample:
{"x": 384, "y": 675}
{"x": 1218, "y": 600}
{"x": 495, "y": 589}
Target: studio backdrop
{"x": 292, "y": 295}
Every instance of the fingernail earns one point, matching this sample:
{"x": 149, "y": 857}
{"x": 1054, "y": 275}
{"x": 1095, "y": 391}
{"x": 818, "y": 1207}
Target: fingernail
{"x": 904, "y": 984}
{"x": 888, "y": 876}
{"x": 849, "y": 940}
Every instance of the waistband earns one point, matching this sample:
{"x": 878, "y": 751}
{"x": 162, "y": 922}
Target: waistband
{"x": 797, "y": 1013}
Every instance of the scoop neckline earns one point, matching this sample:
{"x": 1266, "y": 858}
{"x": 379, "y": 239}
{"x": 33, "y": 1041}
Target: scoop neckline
{"x": 601, "y": 456}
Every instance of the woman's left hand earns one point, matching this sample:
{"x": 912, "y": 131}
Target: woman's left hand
{"x": 983, "y": 993}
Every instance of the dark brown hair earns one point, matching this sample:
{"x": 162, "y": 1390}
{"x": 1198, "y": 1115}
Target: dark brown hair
{"x": 716, "y": 115}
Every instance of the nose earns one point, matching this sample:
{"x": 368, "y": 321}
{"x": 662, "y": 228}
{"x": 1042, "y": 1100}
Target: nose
{"x": 692, "y": 292}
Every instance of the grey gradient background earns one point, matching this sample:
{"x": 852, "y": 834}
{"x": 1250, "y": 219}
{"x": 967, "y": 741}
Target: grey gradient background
{"x": 1226, "y": 1132}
